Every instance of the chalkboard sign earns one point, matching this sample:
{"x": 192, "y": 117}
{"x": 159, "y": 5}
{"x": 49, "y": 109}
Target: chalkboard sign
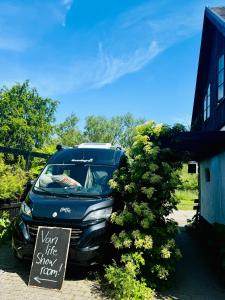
{"x": 50, "y": 257}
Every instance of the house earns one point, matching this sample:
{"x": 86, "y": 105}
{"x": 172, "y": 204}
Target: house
{"x": 208, "y": 117}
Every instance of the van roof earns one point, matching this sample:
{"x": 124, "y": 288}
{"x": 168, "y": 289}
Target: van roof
{"x": 102, "y": 156}
{"x": 95, "y": 145}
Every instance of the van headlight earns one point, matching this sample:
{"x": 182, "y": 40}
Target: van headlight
{"x": 99, "y": 214}
{"x": 25, "y": 209}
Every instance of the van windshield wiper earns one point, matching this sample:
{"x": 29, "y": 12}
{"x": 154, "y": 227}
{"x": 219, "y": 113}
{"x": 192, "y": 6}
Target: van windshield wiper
{"x": 67, "y": 194}
{"x": 51, "y": 193}
{"x": 83, "y": 195}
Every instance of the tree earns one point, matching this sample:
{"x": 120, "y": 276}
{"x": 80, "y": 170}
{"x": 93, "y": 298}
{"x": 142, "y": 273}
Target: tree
{"x": 117, "y": 130}
{"x": 129, "y": 124}
{"x": 188, "y": 181}
{"x": 12, "y": 181}
{"x": 100, "y": 129}
{"x": 26, "y": 118}
{"x": 68, "y": 133}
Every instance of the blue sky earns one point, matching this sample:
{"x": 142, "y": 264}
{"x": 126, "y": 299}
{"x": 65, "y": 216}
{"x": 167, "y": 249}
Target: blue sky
{"x": 105, "y": 57}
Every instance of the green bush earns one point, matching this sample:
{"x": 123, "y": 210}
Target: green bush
{"x": 37, "y": 163}
{"x": 187, "y": 190}
{"x": 124, "y": 279}
{"x": 12, "y": 181}
{"x": 145, "y": 236}
{"x": 5, "y": 227}
{"x": 187, "y": 181}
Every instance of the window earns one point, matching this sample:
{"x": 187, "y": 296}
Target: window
{"x": 207, "y": 104}
{"x": 207, "y": 175}
{"x": 75, "y": 179}
{"x": 221, "y": 78}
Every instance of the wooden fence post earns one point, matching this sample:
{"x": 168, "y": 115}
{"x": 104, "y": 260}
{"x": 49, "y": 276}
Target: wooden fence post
{"x": 28, "y": 162}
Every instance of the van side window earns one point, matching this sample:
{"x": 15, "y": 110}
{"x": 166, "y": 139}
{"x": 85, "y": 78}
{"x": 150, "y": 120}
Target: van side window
{"x": 207, "y": 175}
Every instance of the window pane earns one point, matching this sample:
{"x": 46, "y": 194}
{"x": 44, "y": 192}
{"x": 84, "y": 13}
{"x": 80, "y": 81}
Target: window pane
{"x": 220, "y": 91}
{"x": 208, "y": 112}
{"x": 221, "y": 62}
{"x": 208, "y": 96}
{"x": 207, "y": 175}
{"x": 205, "y": 104}
{"x": 204, "y": 115}
{"x": 221, "y": 77}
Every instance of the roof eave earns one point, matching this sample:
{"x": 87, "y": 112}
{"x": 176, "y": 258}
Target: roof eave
{"x": 216, "y": 19}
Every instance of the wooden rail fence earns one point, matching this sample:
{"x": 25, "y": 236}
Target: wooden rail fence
{"x": 26, "y": 154}
{"x": 12, "y": 208}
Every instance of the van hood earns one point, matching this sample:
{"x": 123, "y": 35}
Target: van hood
{"x": 59, "y": 208}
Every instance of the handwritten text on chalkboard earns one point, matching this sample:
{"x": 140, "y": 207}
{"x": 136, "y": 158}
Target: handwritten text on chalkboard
{"x": 50, "y": 256}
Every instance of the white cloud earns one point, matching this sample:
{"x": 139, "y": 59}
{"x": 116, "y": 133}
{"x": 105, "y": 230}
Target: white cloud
{"x": 67, "y": 4}
{"x": 93, "y": 73}
{"x": 22, "y": 24}
{"x": 117, "y": 49}
{"x": 112, "y": 68}
{"x": 133, "y": 41}
{"x": 137, "y": 37}
{"x": 13, "y": 43}
{"x": 141, "y": 13}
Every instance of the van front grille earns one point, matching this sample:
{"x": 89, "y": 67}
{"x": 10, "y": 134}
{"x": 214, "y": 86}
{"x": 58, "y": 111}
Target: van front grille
{"x": 75, "y": 233}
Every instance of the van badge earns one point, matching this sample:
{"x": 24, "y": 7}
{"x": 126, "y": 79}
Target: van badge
{"x": 65, "y": 209}
{"x": 54, "y": 214}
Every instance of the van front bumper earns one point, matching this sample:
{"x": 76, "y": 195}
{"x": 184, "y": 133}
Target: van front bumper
{"x": 91, "y": 247}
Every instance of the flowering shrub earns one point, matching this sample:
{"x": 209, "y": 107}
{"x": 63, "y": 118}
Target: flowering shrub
{"x": 145, "y": 235}
{"x": 124, "y": 279}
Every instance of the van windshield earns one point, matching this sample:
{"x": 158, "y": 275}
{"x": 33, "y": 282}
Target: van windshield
{"x": 75, "y": 179}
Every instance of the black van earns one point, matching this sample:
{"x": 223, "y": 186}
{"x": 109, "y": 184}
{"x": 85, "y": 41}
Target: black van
{"x": 72, "y": 191}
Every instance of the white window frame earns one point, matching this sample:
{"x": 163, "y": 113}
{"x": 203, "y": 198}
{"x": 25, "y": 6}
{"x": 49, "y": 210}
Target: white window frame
{"x": 207, "y": 99}
{"x": 220, "y": 78}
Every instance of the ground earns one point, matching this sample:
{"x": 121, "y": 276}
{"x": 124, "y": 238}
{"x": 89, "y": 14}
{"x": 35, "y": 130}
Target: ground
{"x": 194, "y": 279}
{"x": 14, "y": 277}
{"x": 186, "y": 199}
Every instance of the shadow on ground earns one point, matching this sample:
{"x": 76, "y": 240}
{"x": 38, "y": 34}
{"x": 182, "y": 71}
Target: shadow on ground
{"x": 14, "y": 276}
{"x": 9, "y": 263}
{"x": 195, "y": 277}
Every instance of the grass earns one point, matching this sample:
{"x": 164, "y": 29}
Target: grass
{"x": 186, "y": 199}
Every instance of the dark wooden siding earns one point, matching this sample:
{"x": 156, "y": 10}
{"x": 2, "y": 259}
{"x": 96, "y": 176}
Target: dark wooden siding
{"x": 213, "y": 45}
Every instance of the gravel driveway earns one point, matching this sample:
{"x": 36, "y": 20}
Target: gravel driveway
{"x": 194, "y": 278}
{"x": 14, "y": 278}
